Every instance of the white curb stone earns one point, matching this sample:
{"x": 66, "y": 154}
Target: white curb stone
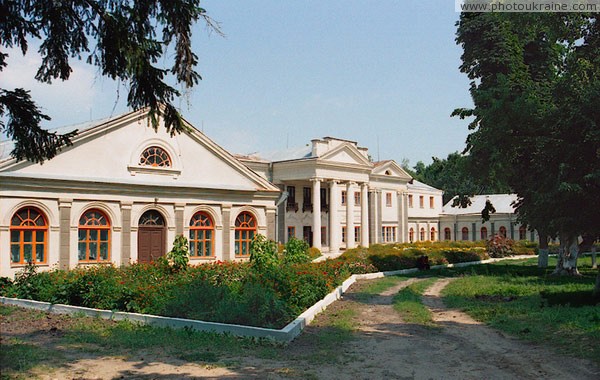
{"x": 285, "y": 335}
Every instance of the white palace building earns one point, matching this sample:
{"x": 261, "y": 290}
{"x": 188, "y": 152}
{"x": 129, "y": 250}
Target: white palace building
{"x": 123, "y": 191}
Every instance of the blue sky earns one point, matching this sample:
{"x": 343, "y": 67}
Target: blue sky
{"x": 383, "y": 73}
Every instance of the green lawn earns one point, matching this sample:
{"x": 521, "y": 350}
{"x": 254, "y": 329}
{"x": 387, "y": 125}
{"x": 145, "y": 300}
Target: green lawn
{"x": 525, "y": 301}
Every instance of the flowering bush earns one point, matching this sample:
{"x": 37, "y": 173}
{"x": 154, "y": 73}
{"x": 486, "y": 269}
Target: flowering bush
{"x": 499, "y": 246}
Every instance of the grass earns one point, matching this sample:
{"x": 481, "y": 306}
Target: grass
{"x": 408, "y": 303}
{"x": 380, "y": 285}
{"x": 527, "y": 302}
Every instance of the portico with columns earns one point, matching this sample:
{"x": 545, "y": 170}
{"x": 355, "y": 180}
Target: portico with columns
{"x": 335, "y": 197}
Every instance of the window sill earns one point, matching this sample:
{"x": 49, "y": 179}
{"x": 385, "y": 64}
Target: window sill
{"x": 19, "y": 265}
{"x": 153, "y": 170}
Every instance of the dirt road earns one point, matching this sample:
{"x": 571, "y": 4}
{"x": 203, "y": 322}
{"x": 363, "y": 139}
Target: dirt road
{"x": 381, "y": 347}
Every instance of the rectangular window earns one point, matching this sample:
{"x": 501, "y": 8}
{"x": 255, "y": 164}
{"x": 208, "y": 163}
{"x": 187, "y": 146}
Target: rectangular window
{"x": 388, "y": 234}
{"x": 410, "y": 200}
{"x": 291, "y": 232}
{"x": 431, "y": 202}
{"x": 343, "y": 234}
{"x": 292, "y": 205}
{"x": 323, "y": 235}
{"x": 357, "y": 198}
{"x": 291, "y": 194}
{"x": 343, "y": 197}
{"x": 421, "y": 201}
{"x": 357, "y": 233}
{"x": 306, "y": 199}
{"x": 324, "y": 200}
{"x": 388, "y": 199}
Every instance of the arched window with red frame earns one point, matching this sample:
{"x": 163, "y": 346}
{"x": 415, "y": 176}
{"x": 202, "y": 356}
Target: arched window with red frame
{"x": 155, "y": 156}
{"x": 502, "y": 231}
{"x": 245, "y": 229}
{"x": 432, "y": 234}
{"x": 28, "y": 237}
{"x": 411, "y": 235}
{"x": 447, "y": 234}
{"x": 484, "y": 233}
{"x": 465, "y": 233}
{"x": 522, "y": 232}
{"x": 202, "y": 234}
{"x": 422, "y": 234}
{"x": 94, "y": 237}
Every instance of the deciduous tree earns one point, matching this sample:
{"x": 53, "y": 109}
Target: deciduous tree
{"x": 535, "y": 84}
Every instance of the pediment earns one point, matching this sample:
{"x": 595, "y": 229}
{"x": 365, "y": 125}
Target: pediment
{"x": 390, "y": 169}
{"x": 111, "y": 152}
{"x": 345, "y": 154}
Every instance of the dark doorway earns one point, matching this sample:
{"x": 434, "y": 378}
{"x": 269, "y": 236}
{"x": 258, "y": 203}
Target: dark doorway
{"x": 307, "y": 235}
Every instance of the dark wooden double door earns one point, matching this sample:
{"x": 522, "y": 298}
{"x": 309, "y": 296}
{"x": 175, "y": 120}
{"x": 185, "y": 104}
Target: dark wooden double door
{"x": 151, "y": 243}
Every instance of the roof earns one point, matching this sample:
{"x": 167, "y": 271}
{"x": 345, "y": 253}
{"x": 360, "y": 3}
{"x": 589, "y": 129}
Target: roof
{"x": 503, "y": 203}
{"x": 296, "y": 153}
{"x": 417, "y": 185}
{"x": 6, "y": 146}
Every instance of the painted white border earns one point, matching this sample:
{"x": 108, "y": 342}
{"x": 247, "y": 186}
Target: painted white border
{"x": 285, "y": 335}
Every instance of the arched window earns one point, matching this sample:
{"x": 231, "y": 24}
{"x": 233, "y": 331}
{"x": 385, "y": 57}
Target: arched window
{"x": 28, "y": 236}
{"x": 94, "y": 236}
{"x": 151, "y": 218}
{"x": 155, "y": 156}
{"x": 245, "y": 229}
{"x": 201, "y": 235}
{"x": 411, "y": 235}
{"x": 502, "y": 231}
{"x": 422, "y": 234}
{"x": 484, "y": 234}
{"x": 522, "y": 233}
{"x": 465, "y": 233}
{"x": 432, "y": 234}
{"x": 447, "y": 234}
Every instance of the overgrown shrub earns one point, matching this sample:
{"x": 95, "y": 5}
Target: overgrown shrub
{"x": 263, "y": 254}
{"x": 296, "y": 251}
{"x": 179, "y": 256}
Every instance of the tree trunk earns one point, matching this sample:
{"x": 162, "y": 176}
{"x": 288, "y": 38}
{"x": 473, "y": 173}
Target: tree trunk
{"x": 566, "y": 263}
{"x": 543, "y": 251}
{"x": 597, "y": 288}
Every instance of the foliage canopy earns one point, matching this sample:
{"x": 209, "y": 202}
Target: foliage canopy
{"x": 125, "y": 39}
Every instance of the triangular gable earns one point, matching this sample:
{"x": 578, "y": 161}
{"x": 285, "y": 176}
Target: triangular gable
{"x": 110, "y": 151}
{"x": 391, "y": 169}
{"x": 347, "y": 154}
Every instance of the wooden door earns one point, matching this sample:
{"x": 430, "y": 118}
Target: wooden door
{"x": 151, "y": 243}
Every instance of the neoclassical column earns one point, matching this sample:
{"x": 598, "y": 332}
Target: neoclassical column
{"x": 349, "y": 215}
{"x": 316, "y": 200}
{"x": 400, "y": 196}
{"x": 364, "y": 215}
{"x": 373, "y": 217}
{"x": 179, "y": 222}
{"x": 271, "y": 224}
{"x": 64, "y": 210}
{"x": 226, "y": 217}
{"x": 334, "y": 224}
{"x": 126, "y": 232}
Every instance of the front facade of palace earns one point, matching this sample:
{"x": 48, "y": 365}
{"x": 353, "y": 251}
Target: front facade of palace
{"x": 124, "y": 191}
